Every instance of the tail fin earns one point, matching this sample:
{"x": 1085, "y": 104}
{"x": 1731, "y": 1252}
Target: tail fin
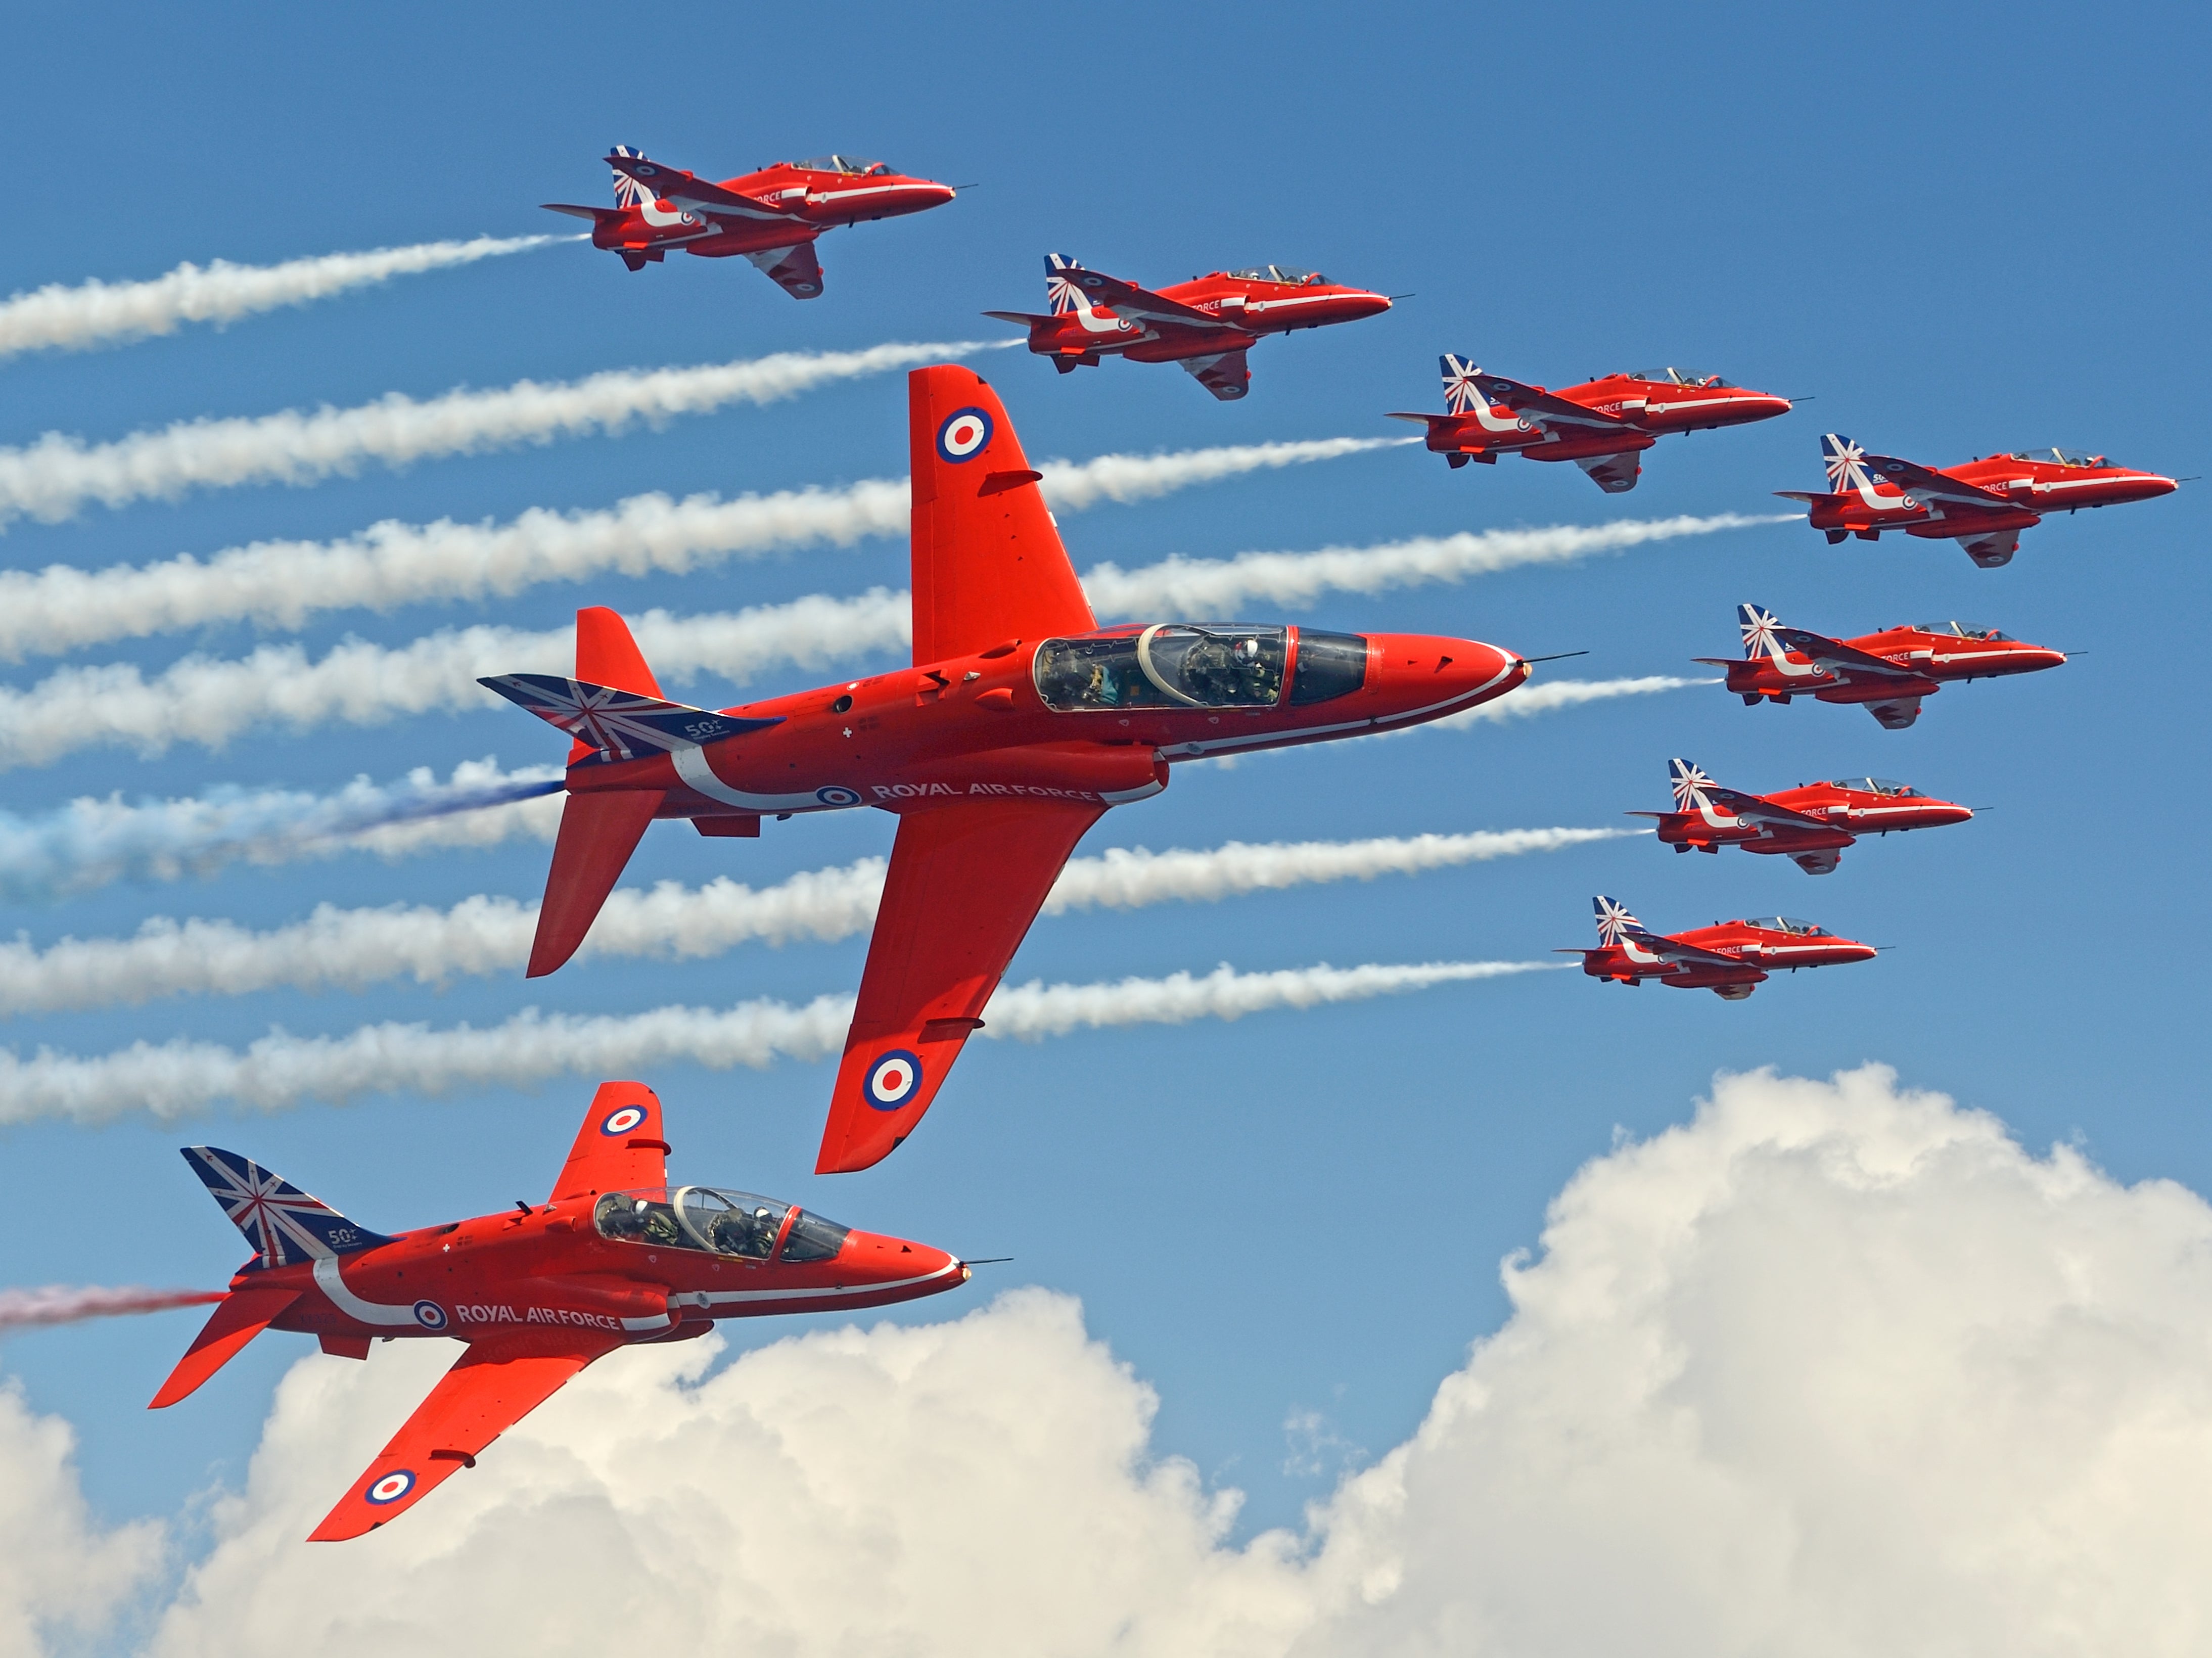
{"x": 1613, "y": 920}
{"x": 1689, "y": 785}
{"x": 1846, "y": 465}
{"x": 1758, "y": 628}
{"x": 1061, "y": 294}
{"x": 601, "y": 828}
{"x": 1460, "y": 392}
{"x": 283, "y": 1222}
{"x": 629, "y": 192}
{"x": 988, "y": 565}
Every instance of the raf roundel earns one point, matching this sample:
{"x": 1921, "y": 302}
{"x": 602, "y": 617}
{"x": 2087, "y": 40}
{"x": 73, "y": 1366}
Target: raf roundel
{"x": 393, "y": 1486}
{"x": 429, "y": 1316}
{"x": 621, "y": 1121}
{"x": 963, "y": 435}
{"x": 837, "y": 795}
{"x": 891, "y": 1080}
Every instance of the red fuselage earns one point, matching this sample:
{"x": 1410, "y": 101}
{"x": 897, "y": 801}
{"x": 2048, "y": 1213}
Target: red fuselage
{"x": 558, "y": 1273}
{"x": 2034, "y": 486}
{"x": 804, "y": 202}
{"x": 1847, "y": 809}
{"x": 980, "y": 726}
{"x": 1249, "y": 310}
{"x": 1931, "y": 656}
{"x": 1652, "y": 407}
{"x": 1759, "y": 948}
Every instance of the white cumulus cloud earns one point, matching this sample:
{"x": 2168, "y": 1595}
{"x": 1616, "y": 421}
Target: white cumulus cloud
{"x": 1836, "y": 1369}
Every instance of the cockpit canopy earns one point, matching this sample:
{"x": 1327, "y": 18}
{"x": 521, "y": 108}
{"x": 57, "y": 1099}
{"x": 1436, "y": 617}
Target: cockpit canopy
{"x": 1290, "y": 275}
{"x": 1787, "y": 923}
{"x": 1874, "y": 785}
{"x": 702, "y": 1217}
{"x": 1188, "y": 666}
{"x": 1677, "y": 377}
{"x": 2059, "y": 458}
{"x": 1962, "y": 629}
{"x": 859, "y": 166}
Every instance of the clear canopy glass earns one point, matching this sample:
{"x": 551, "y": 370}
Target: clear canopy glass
{"x": 1873, "y": 786}
{"x": 741, "y": 1225}
{"x": 1679, "y": 377}
{"x": 859, "y": 166}
{"x": 1278, "y": 273}
{"x": 1962, "y": 629}
{"x": 1165, "y": 667}
{"x": 2059, "y": 457}
{"x": 1787, "y": 923}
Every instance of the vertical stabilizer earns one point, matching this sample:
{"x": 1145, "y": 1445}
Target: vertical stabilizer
{"x": 988, "y": 564}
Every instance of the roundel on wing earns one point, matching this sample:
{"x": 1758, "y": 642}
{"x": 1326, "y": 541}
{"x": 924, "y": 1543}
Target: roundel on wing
{"x": 621, "y": 1121}
{"x": 429, "y": 1316}
{"x": 892, "y": 1080}
{"x": 393, "y": 1486}
{"x": 963, "y": 434}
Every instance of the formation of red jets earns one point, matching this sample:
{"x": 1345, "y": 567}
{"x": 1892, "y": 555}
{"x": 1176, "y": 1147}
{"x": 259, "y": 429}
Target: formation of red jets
{"x": 1020, "y": 723}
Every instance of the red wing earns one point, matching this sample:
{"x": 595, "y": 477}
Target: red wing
{"x": 794, "y": 269}
{"x": 1549, "y": 410}
{"x": 1825, "y": 653}
{"x": 1614, "y": 474}
{"x": 668, "y": 184}
{"x": 1135, "y": 304}
{"x": 988, "y": 565}
{"x": 1673, "y": 950}
{"x": 620, "y": 1148}
{"x": 1223, "y": 374}
{"x": 488, "y": 1392}
{"x": 1755, "y": 809}
{"x": 966, "y": 882}
{"x": 1928, "y": 485}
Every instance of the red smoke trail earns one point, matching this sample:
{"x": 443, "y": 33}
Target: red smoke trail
{"x": 65, "y": 1303}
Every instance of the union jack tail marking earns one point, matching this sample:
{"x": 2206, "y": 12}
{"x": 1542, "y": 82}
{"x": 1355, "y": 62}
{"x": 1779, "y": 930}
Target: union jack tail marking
{"x": 1689, "y": 785}
{"x": 1758, "y": 627}
{"x": 1461, "y": 394}
{"x": 283, "y": 1222}
{"x": 1846, "y": 463}
{"x": 628, "y": 192}
{"x": 1613, "y": 920}
{"x": 620, "y": 724}
{"x": 1062, "y": 296}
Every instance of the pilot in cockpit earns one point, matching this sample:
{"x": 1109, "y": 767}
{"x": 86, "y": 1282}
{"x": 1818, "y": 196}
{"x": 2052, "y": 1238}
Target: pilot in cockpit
{"x": 734, "y": 1232}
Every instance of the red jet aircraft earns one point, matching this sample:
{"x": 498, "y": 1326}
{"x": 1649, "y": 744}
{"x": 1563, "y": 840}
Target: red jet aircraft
{"x": 615, "y": 1257}
{"x": 1600, "y": 425}
{"x": 1207, "y": 323}
{"x": 1982, "y": 505}
{"x": 1810, "y": 824}
{"x": 1729, "y": 958}
{"x": 1020, "y": 723}
{"x": 1889, "y": 672}
{"x": 771, "y": 217}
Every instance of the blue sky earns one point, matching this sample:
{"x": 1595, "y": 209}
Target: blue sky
{"x": 1956, "y": 233}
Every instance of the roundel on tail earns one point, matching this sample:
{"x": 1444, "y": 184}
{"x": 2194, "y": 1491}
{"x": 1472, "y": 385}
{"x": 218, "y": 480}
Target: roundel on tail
{"x": 892, "y": 1080}
{"x": 621, "y": 1121}
{"x": 963, "y": 434}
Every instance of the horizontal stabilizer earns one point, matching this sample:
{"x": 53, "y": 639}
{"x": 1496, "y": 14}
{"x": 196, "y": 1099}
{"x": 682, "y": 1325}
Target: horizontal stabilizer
{"x": 619, "y": 724}
{"x": 599, "y": 830}
{"x": 1025, "y": 319}
{"x": 242, "y": 1315}
{"x": 596, "y": 214}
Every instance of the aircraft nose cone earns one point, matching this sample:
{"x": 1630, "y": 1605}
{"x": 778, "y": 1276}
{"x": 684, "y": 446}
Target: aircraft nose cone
{"x": 1371, "y": 305}
{"x": 1422, "y": 672}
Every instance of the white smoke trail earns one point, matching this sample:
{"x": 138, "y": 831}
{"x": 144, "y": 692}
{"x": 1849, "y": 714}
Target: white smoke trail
{"x": 1220, "y": 587}
{"x": 96, "y": 312}
{"x": 90, "y": 842}
{"x": 1554, "y": 693}
{"x": 210, "y": 699}
{"x": 282, "y": 584}
{"x": 69, "y": 1303}
{"x": 352, "y": 949}
{"x": 53, "y": 477}
{"x": 168, "y": 1080}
